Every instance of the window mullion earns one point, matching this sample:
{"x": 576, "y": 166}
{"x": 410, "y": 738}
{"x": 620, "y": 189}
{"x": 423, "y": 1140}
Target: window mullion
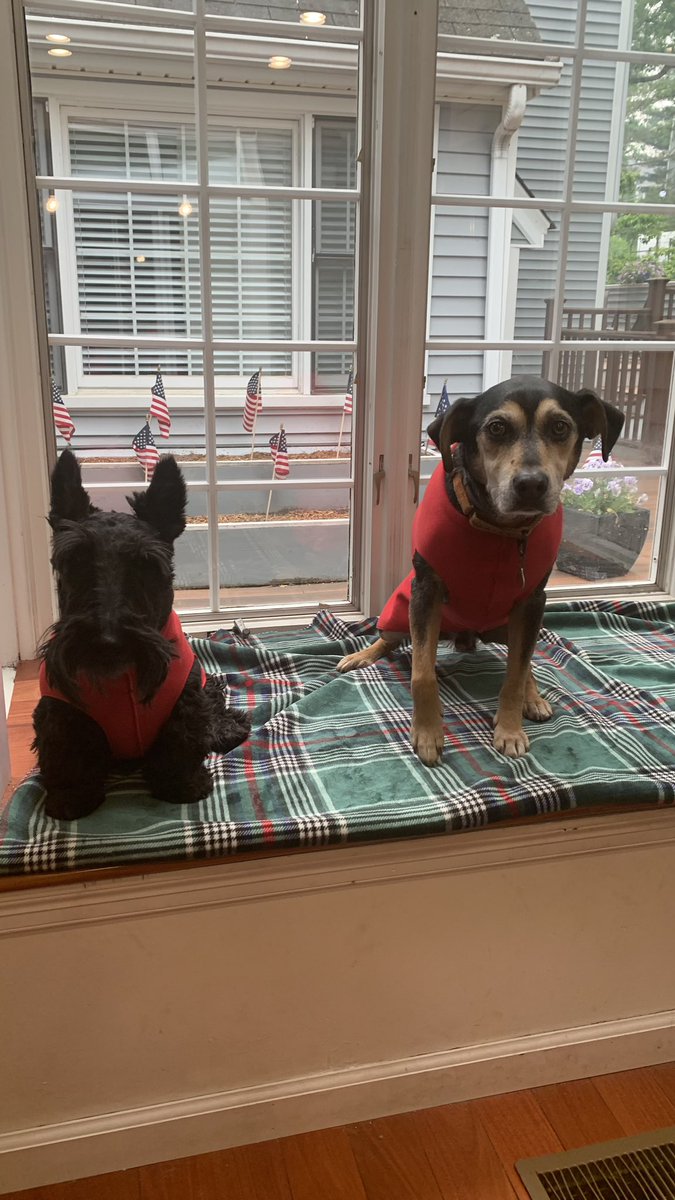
{"x": 201, "y": 119}
{"x": 397, "y": 224}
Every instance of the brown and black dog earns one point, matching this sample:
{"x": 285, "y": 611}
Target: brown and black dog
{"x": 485, "y": 539}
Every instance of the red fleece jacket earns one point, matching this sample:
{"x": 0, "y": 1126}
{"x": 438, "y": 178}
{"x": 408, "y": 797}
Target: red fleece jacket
{"x": 481, "y": 570}
{"x": 130, "y": 726}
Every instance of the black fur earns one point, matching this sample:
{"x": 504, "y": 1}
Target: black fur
{"x": 114, "y": 574}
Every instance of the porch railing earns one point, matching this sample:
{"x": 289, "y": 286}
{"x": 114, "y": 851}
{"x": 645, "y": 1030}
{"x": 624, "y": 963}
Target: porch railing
{"x": 636, "y": 381}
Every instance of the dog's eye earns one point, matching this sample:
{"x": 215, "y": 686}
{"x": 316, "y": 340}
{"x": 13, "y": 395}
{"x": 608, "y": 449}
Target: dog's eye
{"x": 497, "y": 428}
{"x": 560, "y": 429}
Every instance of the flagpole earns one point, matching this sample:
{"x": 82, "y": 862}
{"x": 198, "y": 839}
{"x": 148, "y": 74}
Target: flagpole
{"x": 255, "y": 415}
{"x": 274, "y": 471}
{"x": 342, "y": 425}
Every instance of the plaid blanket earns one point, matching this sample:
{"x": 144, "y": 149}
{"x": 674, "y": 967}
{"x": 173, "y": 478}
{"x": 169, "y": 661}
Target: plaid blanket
{"x": 329, "y": 760}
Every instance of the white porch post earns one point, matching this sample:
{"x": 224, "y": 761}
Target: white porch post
{"x": 397, "y": 197}
{"x": 497, "y": 363}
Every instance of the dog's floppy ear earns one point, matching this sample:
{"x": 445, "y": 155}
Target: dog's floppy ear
{"x": 452, "y": 426}
{"x": 163, "y": 503}
{"x": 69, "y": 501}
{"x": 599, "y": 419}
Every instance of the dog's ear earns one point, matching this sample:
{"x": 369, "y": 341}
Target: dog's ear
{"x": 163, "y": 503}
{"x": 69, "y": 501}
{"x": 599, "y": 419}
{"x": 452, "y": 426}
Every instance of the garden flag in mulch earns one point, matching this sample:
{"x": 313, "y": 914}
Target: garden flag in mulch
{"x": 349, "y": 397}
{"x": 279, "y": 452}
{"x": 62, "y": 418}
{"x": 444, "y": 402}
{"x": 253, "y": 402}
{"x": 145, "y": 449}
{"x": 159, "y": 407}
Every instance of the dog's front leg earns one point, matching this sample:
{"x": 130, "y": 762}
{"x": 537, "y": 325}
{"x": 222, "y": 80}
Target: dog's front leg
{"x": 73, "y": 758}
{"x": 426, "y": 602}
{"x": 517, "y": 694}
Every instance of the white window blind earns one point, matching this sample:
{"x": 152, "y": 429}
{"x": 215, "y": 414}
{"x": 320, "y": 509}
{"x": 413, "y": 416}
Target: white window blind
{"x": 137, "y": 257}
{"x": 335, "y": 153}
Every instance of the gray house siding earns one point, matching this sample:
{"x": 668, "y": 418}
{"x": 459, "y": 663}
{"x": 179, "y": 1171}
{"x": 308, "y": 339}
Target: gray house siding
{"x": 460, "y": 246}
{"x": 541, "y": 155}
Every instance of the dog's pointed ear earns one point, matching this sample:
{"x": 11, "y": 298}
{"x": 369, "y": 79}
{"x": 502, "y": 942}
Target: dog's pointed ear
{"x": 599, "y": 419}
{"x": 69, "y": 501}
{"x": 163, "y": 503}
{"x": 452, "y": 426}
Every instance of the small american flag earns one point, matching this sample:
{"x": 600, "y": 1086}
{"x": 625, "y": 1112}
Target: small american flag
{"x": 595, "y": 461}
{"x": 145, "y": 449}
{"x": 279, "y": 452}
{"x": 62, "y": 418}
{"x": 159, "y": 407}
{"x": 349, "y": 397}
{"x": 443, "y": 403}
{"x": 253, "y": 401}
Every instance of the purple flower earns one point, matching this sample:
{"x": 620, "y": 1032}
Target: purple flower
{"x": 582, "y": 485}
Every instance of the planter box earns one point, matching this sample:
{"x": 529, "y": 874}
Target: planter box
{"x": 274, "y": 552}
{"x": 601, "y": 547}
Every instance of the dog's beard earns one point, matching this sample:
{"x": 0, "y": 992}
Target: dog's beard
{"x": 70, "y": 650}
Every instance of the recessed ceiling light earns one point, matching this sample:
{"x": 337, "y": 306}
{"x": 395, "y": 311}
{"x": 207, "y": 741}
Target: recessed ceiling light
{"x": 279, "y": 62}
{"x": 185, "y": 208}
{"x": 313, "y": 18}
{"x": 60, "y": 52}
{"x": 62, "y": 38}
{"x": 51, "y": 204}
{"x": 140, "y": 258}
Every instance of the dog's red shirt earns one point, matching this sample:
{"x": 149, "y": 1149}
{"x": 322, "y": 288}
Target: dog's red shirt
{"x": 130, "y": 726}
{"x": 481, "y": 570}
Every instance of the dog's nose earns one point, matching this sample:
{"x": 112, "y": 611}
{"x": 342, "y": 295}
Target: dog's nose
{"x": 530, "y": 486}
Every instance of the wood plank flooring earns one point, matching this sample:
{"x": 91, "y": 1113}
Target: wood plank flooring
{"x": 457, "y": 1152}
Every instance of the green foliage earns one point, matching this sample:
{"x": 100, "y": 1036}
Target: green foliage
{"x": 649, "y": 144}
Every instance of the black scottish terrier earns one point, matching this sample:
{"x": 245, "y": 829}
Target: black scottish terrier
{"x": 119, "y": 681}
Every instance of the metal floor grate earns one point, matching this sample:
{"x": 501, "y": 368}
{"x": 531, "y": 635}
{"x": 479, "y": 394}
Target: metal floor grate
{"x": 632, "y": 1168}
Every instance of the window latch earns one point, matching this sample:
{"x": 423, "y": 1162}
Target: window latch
{"x": 415, "y": 476}
{"x": 378, "y": 477}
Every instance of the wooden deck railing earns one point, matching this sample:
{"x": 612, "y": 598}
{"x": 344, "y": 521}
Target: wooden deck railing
{"x": 637, "y": 381}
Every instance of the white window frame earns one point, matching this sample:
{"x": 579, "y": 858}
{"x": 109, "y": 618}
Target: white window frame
{"x": 395, "y": 229}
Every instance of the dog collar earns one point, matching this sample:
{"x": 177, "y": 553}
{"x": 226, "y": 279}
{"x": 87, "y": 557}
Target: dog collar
{"x": 519, "y": 532}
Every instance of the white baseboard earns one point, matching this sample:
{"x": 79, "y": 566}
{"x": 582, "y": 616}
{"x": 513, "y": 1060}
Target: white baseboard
{"x": 200, "y": 1124}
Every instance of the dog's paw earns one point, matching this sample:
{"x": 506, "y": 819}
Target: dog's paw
{"x": 65, "y": 804}
{"x": 536, "y": 708}
{"x": 511, "y": 742}
{"x": 350, "y": 662}
{"x": 185, "y": 791}
{"x": 427, "y": 742}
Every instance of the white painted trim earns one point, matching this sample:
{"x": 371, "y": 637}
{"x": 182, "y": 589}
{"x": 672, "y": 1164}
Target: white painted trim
{"x": 241, "y": 882}
{"x": 403, "y": 108}
{"x": 133, "y": 1137}
{"x": 375, "y": 979}
{"x": 24, "y": 442}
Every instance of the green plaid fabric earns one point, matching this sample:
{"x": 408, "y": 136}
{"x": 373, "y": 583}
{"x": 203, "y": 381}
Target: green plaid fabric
{"x": 329, "y": 760}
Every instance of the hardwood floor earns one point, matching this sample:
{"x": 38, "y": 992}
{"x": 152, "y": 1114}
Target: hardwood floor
{"x": 456, "y": 1152}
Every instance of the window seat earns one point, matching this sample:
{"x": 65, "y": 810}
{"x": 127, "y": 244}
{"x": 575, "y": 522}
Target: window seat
{"x": 329, "y": 762}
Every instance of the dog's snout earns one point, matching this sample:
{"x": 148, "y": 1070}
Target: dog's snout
{"x": 530, "y": 486}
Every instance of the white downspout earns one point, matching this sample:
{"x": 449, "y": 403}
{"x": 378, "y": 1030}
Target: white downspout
{"x": 497, "y": 363}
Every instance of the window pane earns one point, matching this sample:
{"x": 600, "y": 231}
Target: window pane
{"x": 609, "y": 529}
{"x": 517, "y": 21}
{"x": 653, "y": 27}
{"x": 337, "y": 12}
